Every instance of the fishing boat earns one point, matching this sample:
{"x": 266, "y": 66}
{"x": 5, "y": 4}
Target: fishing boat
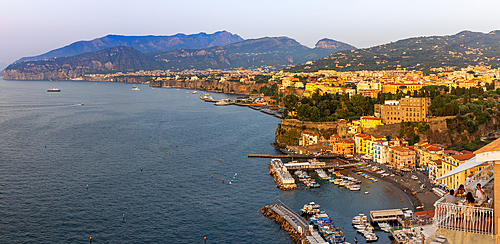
{"x": 313, "y": 184}
{"x": 327, "y": 229}
{"x": 337, "y": 181}
{"x": 53, "y": 90}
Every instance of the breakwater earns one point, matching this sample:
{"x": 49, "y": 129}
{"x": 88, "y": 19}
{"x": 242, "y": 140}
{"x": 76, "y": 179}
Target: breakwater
{"x": 292, "y": 223}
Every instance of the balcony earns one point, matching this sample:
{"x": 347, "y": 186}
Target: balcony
{"x": 465, "y": 218}
{"x": 472, "y": 219}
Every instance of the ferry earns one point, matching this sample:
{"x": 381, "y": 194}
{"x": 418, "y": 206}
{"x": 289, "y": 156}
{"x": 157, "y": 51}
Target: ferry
{"x": 53, "y": 90}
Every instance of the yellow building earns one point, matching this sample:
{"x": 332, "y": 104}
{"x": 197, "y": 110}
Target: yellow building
{"x": 395, "y": 87}
{"x": 450, "y": 163}
{"x": 370, "y": 122}
{"x": 343, "y": 147}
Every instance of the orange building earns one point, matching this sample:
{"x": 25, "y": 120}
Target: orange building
{"x": 402, "y": 157}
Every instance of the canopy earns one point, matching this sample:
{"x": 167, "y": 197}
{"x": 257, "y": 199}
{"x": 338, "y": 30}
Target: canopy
{"x": 471, "y": 163}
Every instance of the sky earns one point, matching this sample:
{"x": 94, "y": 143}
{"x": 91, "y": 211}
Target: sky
{"x": 33, "y": 27}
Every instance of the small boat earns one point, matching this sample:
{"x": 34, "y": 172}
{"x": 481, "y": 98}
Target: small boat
{"x": 135, "y": 88}
{"x": 187, "y": 92}
{"x": 53, "y": 90}
{"x": 367, "y": 192}
{"x": 310, "y": 209}
{"x": 83, "y": 104}
{"x": 194, "y": 92}
{"x": 222, "y": 102}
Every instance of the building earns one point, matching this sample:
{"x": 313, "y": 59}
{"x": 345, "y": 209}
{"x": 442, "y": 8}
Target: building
{"x": 394, "y": 88}
{"x": 308, "y": 139}
{"x": 370, "y": 122}
{"x": 343, "y": 147}
{"x": 380, "y": 152}
{"x": 435, "y": 170}
{"x": 427, "y": 153}
{"x": 402, "y": 157}
{"x": 452, "y": 162}
{"x": 334, "y": 138}
{"x": 360, "y": 142}
{"x": 411, "y": 109}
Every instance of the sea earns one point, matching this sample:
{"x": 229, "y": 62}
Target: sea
{"x": 98, "y": 160}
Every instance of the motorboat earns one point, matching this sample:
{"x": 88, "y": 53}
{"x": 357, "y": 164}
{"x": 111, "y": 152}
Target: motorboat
{"x": 222, "y": 102}
{"x": 53, "y": 90}
{"x": 310, "y": 209}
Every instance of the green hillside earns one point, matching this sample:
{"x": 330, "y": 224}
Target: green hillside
{"x": 419, "y": 53}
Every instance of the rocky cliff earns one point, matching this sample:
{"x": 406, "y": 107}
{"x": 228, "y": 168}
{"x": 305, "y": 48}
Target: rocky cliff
{"x": 111, "y": 60}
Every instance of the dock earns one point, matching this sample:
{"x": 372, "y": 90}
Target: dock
{"x": 293, "y": 223}
{"x": 292, "y": 156}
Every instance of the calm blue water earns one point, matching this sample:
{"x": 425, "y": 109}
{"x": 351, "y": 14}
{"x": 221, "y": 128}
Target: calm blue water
{"x": 51, "y": 147}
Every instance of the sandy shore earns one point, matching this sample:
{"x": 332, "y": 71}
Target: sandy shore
{"x": 406, "y": 185}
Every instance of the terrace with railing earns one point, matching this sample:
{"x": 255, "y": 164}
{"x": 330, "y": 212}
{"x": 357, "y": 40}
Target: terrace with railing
{"x": 462, "y": 217}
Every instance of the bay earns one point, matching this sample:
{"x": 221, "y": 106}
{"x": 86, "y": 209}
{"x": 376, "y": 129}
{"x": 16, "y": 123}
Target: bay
{"x": 52, "y": 147}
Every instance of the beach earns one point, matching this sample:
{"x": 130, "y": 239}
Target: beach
{"x": 407, "y": 186}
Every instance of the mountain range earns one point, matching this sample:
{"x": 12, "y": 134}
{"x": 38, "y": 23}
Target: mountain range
{"x": 220, "y": 50}
{"x": 419, "y": 53}
{"x": 142, "y": 43}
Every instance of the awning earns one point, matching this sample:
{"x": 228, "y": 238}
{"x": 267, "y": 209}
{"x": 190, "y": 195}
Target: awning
{"x": 471, "y": 163}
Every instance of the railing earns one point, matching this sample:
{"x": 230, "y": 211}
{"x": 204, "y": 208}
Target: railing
{"x": 484, "y": 176}
{"x": 463, "y": 218}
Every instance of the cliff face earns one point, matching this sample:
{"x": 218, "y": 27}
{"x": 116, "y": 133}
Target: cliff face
{"x": 110, "y": 60}
{"x": 290, "y": 130}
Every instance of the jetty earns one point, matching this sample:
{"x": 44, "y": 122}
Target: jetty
{"x": 293, "y": 156}
{"x": 293, "y": 223}
{"x": 282, "y": 177}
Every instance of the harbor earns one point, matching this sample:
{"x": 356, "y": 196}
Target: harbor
{"x": 398, "y": 224}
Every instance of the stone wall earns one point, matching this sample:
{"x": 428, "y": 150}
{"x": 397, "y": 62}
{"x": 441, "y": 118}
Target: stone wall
{"x": 391, "y": 130}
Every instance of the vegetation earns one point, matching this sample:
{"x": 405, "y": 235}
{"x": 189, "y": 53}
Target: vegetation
{"x": 329, "y": 107}
{"x": 419, "y": 53}
{"x": 411, "y": 131}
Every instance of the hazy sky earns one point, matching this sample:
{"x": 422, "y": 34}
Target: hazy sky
{"x": 32, "y": 27}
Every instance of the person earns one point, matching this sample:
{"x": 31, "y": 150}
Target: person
{"x": 469, "y": 200}
{"x": 450, "y": 198}
{"x": 460, "y": 191}
{"x": 479, "y": 192}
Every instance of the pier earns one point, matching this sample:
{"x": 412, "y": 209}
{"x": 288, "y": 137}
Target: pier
{"x": 293, "y": 223}
{"x": 293, "y": 156}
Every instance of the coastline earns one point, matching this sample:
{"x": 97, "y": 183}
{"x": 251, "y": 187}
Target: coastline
{"x": 424, "y": 199}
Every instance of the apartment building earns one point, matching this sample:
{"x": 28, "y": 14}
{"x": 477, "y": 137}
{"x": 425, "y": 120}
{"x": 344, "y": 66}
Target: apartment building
{"x": 411, "y": 109}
